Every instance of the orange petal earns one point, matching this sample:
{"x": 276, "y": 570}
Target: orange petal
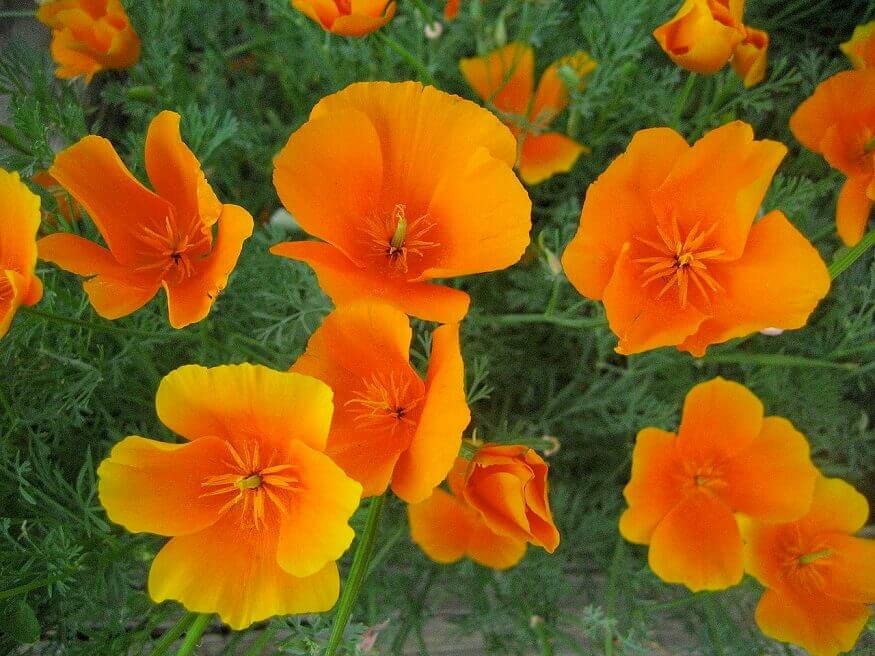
{"x": 451, "y": 10}
{"x": 751, "y": 56}
{"x": 773, "y": 478}
{"x": 493, "y": 550}
{"x": 505, "y": 77}
{"x": 359, "y": 25}
{"x": 190, "y": 301}
{"x": 543, "y": 156}
{"x": 617, "y": 207}
{"x": 176, "y": 174}
{"x": 639, "y": 319}
{"x": 324, "y": 12}
{"x": 232, "y": 570}
{"x": 696, "y": 40}
{"x": 71, "y": 59}
{"x": 442, "y": 526}
{"x": 233, "y": 401}
{"x": 485, "y": 216}
{"x": 155, "y": 487}
{"x": 837, "y": 506}
{"x": 19, "y": 223}
{"x": 849, "y": 570}
{"x": 501, "y": 500}
{"x": 778, "y": 281}
{"x": 728, "y": 196}
{"x": 853, "y": 209}
{"x": 821, "y": 625}
{"x": 314, "y": 530}
{"x": 91, "y": 171}
{"x": 655, "y": 486}
{"x": 552, "y": 96}
{"x": 345, "y": 283}
{"x": 444, "y": 416}
{"x": 860, "y": 48}
{"x": 698, "y": 544}
{"x": 113, "y": 289}
{"x": 720, "y": 420}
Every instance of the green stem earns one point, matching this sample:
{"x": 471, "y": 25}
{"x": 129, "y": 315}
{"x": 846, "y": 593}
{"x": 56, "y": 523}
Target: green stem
{"x": 54, "y": 318}
{"x": 41, "y": 583}
{"x": 710, "y": 611}
{"x": 554, "y": 297}
{"x": 424, "y": 76}
{"x": 851, "y": 255}
{"x": 426, "y": 11}
{"x": 682, "y": 100}
{"x": 543, "y": 637}
{"x": 356, "y": 576}
{"x": 611, "y": 603}
{"x": 22, "y": 13}
{"x": 172, "y": 634}
{"x": 778, "y": 359}
{"x": 194, "y": 633}
{"x": 258, "y": 646}
{"x": 519, "y": 319}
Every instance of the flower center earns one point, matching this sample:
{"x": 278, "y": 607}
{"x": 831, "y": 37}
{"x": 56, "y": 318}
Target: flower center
{"x": 252, "y": 483}
{"x": 807, "y": 559}
{"x": 173, "y": 252}
{"x": 681, "y": 260}
{"x": 397, "y": 240}
{"x": 385, "y": 402}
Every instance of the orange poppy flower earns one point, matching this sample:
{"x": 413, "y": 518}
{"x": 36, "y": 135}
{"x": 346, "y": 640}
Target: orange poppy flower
{"x": 155, "y": 239}
{"x": 703, "y": 34}
{"x": 819, "y": 577}
{"x": 406, "y": 184}
{"x": 447, "y": 529}
{"x": 507, "y": 485}
{"x": 667, "y": 241}
{"x": 19, "y": 222}
{"x": 451, "y": 10}
{"x": 67, "y": 207}
{"x": 256, "y": 512}
{"x": 686, "y": 488}
{"x": 89, "y": 36}
{"x": 389, "y": 424}
{"x": 838, "y": 121}
{"x": 860, "y": 48}
{"x": 348, "y": 17}
{"x": 505, "y": 78}
{"x": 751, "y": 56}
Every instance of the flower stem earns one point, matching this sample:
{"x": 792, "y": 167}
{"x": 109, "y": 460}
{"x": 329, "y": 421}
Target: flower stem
{"x": 172, "y": 634}
{"x": 21, "y": 13}
{"x": 611, "y": 601}
{"x": 426, "y": 11}
{"x": 846, "y": 259}
{"x": 424, "y": 76}
{"x": 54, "y": 318}
{"x": 682, "y": 100}
{"x": 778, "y": 359}
{"x": 519, "y": 319}
{"x": 357, "y": 573}
{"x": 194, "y": 633}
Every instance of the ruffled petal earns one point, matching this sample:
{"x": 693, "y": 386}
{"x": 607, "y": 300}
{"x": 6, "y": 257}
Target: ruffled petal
{"x": 442, "y": 526}
{"x": 358, "y": 24}
{"x": 505, "y": 77}
{"x": 543, "y": 156}
{"x": 696, "y": 40}
{"x": 853, "y": 209}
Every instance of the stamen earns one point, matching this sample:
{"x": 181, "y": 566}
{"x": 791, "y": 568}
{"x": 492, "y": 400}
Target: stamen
{"x": 807, "y": 559}
{"x": 250, "y": 482}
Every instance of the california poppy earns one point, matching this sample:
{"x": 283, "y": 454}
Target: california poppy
{"x": 860, "y": 48}
{"x": 155, "y": 239}
{"x": 405, "y": 183}
{"x": 505, "y": 78}
{"x": 19, "y": 222}
{"x": 667, "y": 241}
{"x": 348, "y": 17}
{"x": 703, "y": 34}
{"x": 686, "y": 489}
{"x": 838, "y": 121}
{"x": 89, "y": 36}
{"x": 750, "y": 56}
{"x": 507, "y": 485}
{"x": 256, "y": 512}
{"x": 820, "y": 579}
{"x": 390, "y": 425}
{"x": 447, "y": 529}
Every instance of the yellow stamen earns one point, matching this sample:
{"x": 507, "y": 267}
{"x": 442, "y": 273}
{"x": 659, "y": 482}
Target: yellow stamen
{"x": 397, "y": 240}
{"x": 250, "y": 482}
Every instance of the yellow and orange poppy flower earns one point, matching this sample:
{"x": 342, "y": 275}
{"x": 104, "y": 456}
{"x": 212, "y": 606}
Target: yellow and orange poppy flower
{"x": 686, "y": 488}
{"x": 19, "y": 222}
{"x": 838, "y": 121}
{"x": 703, "y": 34}
{"x": 751, "y": 56}
{"x": 860, "y": 48}
{"x": 348, "y": 17}
{"x": 667, "y": 241}
{"x": 155, "y": 239}
{"x": 404, "y": 184}
{"x": 505, "y": 79}
{"x": 507, "y": 485}
{"x": 390, "y": 425}
{"x": 89, "y": 36}
{"x": 447, "y": 529}
{"x": 820, "y": 579}
{"x": 256, "y": 512}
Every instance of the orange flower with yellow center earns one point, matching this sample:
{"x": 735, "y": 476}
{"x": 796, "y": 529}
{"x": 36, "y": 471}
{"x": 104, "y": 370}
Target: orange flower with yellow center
{"x": 256, "y": 512}
{"x": 507, "y": 485}
{"x": 404, "y": 184}
{"x": 19, "y": 222}
{"x": 838, "y": 121}
{"x": 89, "y": 36}
{"x": 860, "y": 48}
{"x": 505, "y": 79}
{"x": 390, "y": 425}
{"x": 703, "y": 34}
{"x": 687, "y": 488}
{"x": 155, "y": 239}
{"x": 348, "y": 17}
{"x": 820, "y": 579}
{"x": 447, "y": 529}
{"x": 668, "y": 242}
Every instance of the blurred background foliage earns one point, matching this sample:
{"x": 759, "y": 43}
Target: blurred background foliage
{"x": 244, "y": 75}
